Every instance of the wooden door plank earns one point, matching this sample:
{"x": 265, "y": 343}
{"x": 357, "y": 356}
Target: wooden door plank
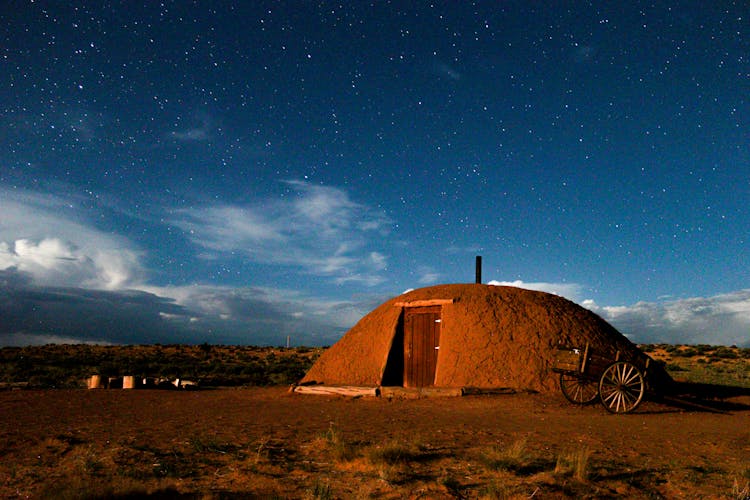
{"x": 421, "y": 337}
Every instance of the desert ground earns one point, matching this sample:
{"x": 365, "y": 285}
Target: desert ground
{"x": 267, "y": 442}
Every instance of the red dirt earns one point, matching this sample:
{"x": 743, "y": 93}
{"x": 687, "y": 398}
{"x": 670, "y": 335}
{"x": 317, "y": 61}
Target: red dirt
{"x": 231, "y": 443}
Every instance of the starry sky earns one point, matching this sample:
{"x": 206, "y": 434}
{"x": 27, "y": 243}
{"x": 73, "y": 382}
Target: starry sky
{"x": 248, "y": 172}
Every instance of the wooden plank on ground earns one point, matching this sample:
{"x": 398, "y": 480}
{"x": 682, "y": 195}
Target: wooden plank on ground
{"x": 487, "y": 391}
{"x": 419, "y": 392}
{"x": 330, "y": 390}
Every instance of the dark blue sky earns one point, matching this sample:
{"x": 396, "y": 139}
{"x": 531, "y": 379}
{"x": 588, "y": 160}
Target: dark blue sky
{"x": 240, "y": 173}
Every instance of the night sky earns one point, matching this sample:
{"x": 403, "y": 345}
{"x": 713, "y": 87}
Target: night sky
{"x": 240, "y": 172}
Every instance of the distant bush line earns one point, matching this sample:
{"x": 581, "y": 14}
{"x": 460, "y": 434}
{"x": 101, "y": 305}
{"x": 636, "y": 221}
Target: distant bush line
{"x": 709, "y": 351}
{"x": 702, "y": 363}
{"x": 68, "y": 366}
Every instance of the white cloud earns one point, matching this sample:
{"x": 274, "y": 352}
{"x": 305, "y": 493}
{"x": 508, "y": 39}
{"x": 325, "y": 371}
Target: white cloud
{"x": 198, "y": 133}
{"x": 318, "y": 228}
{"x": 225, "y": 228}
{"x": 455, "y": 249}
{"x": 26, "y": 254}
{"x": 192, "y": 134}
{"x": 378, "y": 261}
{"x": 85, "y": 285}
{"x": 446, "y": 71}
{"x": 43, "y": 236}
{"x": 21, "y": 339}
{"x": 427, "y": 277}
{"x": 239, "y": 314}
{"x": 722, "y": 319}
{"x": 570, "y": 291}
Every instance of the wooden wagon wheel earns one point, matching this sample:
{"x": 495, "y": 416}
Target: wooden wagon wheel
{"x": 578, "y": 390}
{"x": 621, "y": 387}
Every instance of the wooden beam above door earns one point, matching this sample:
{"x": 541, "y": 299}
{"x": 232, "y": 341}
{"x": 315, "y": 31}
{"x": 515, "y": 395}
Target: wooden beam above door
{"x": 424, "y": 303}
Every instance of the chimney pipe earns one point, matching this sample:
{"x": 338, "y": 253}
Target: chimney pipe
{"x": 478, "y": 279}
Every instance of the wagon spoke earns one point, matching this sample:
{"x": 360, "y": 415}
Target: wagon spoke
{"x": 610, "y": 395}
{"x": 621, "y": 387}
{"x": 618, "y": 373}
{"x": 628, "y": 397}
{"x": 578, "y": 390}
{"x": 614, "y": 401}
{"x": 627, "y": 374}
{"x": 632, "y": 386}
{"x": 631, "y": 377}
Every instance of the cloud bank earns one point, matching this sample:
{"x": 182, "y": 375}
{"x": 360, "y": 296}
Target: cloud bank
{"x": 718, "y": 320}
{"x": 38, "y": 314}
{"x": 44, "y": 236}
{"x": 63, "y": 279}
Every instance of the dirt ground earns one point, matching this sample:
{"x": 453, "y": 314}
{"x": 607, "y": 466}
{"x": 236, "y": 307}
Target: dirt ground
{"x": 269, "y": 443}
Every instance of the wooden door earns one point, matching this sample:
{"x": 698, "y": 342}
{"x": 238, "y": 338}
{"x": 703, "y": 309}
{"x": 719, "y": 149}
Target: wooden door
{"x": 421, "y": 343}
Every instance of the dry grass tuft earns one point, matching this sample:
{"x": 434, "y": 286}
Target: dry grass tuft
{"x": 394, "y": 452}
{"x": 741, "y": 492}
{"x": 320, "y": 491}
{"x": 514, "y": 457}
{"x": 391, "y": 460}
{"x": 496, "y": 490}
{"x": 340, "y": 449}
{"x": 574, "y": 462}
{"x": 450, "y": 483}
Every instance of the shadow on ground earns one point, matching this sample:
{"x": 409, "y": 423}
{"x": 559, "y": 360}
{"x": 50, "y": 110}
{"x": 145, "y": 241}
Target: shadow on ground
{"x": 705, "y": 397}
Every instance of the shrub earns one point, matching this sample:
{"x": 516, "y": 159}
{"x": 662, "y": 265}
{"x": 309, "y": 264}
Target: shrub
{"x": 673, "y": 367}
{"x": 688, "y": 352}
{"x": 725, "y": 353}
{"x": 703, "y": 348}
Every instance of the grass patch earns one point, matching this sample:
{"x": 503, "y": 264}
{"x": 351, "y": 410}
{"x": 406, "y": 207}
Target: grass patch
{"x": 394, "y": 452}
{"x": 495, "y": 490}
{"x": 338, "y": 447}
{"x": 261, "y": 451}
{"x": 90, "y": 463}
{"x": 393, "y": 460}
{"x": 514, "y": 457}
{"x": 740, "y": 491}
{"x": 450, "y": 484}
{"x": 209, "y": 444}
{"x": 574, "y": 463}
{"x": 320, "y": 491}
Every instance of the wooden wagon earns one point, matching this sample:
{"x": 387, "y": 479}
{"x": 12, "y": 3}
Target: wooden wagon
{"x": 585, "y": 377}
